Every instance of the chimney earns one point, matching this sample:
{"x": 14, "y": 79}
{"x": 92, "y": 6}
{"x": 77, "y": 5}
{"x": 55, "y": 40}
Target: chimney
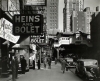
{"x": 97, "y": 11}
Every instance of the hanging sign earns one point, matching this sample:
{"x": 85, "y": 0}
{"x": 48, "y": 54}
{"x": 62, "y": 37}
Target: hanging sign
{"x": 6, "y": 31}
{"x": 37, "y": 39}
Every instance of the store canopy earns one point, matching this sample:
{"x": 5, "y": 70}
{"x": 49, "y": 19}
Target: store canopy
{"x": 18, "y": 46}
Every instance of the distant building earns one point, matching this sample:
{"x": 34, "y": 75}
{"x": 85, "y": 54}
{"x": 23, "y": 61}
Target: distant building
{"x": 88, "y": 18}
{"x": 64, "y": 19}
{"x": 52, "y": 14}
{"x": 78, "y": 21}
{"x": 70, "y": 5}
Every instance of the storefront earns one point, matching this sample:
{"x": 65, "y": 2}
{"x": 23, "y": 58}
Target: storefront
{"x": 6, "y": 37}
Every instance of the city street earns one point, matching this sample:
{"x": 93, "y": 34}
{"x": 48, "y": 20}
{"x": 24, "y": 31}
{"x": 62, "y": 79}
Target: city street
{"x": 36, "y": 32}
{"x": 53, "y": 74}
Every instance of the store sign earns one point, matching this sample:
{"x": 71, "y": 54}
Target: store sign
{"x": 64, "y": 40}
{"x": 28, "y": 24}
{"x": 6, "y": 31}
{"x": 12, "y": 9}
{"x": 36, "y": 2}
{"x": 37, "y": 39}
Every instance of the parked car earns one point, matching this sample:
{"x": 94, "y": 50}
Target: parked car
{"x": 88, "y": 69}
{"x": 70, "y": 63}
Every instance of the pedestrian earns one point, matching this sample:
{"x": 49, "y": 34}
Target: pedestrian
{"x": 16, "y": 65}
{"x": 33, "y": 64}
{"x": 45, "y": 61}
{"x": 63, "y": 65}
{"x": 38, "y": 63}
{"x": 23, "y": 65}
{"x": 55, "y": 60}
{"x": 49, "y": 62}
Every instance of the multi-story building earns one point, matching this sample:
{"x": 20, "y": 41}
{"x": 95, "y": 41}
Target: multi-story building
{"x": 64, "y": 19}
{"x": 52, "y": 14}
{"x": 70, "y": 5}
{"x": 88, "y": 18}
{"x": 81, "y": 21}
{"x": 78, "y": 21}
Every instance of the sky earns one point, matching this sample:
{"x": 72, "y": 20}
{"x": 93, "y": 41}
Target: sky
{"x": 87, "y": 3}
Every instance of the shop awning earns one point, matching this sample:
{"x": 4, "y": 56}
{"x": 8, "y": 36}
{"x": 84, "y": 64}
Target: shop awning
{"x": 18, "y": 46}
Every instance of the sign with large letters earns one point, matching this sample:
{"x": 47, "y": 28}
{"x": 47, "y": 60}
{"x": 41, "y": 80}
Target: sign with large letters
{"x": 28, "y": 24}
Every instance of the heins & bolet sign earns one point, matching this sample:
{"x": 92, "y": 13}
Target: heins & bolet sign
{"x": 28, "y": 24}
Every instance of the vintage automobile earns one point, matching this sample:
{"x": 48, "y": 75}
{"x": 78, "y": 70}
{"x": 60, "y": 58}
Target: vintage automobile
{"x": 70, "y": 63}
{"x": 88, "y": 69}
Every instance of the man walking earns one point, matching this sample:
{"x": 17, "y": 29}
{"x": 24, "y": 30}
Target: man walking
{"x": 49, "y": 62}
{"x": 63, "y": 65}
{"x": 38, "y": 62}
{"x": 45, "y": 61}
{"x": 23, "y": 65}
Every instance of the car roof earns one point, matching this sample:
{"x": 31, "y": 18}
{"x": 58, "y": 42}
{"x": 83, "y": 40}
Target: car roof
{"x": 88, "y": 60}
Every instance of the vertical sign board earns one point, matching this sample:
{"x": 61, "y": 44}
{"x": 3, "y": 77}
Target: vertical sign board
{"x": 28, "y": 24}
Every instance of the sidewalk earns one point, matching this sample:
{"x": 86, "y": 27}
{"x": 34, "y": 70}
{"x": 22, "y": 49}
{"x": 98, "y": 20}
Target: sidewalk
{"x": 6, "y": 79}
{"x": 10, "y": 76}
{"x": 53, "y": 74}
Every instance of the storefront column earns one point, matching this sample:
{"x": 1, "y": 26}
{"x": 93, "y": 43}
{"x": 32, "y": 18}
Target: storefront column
{"x": 0, "y": 57}
{"x": 57, "y": 53}
{"x": 4, "y": 60}
{"x": 40, "y": 56}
